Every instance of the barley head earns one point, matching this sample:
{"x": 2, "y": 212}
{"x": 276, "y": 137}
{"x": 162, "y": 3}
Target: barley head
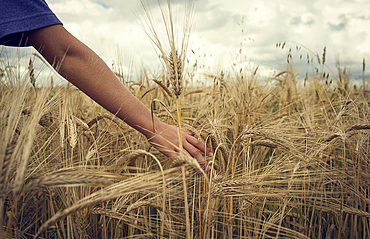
{"x": 175, "y": 72}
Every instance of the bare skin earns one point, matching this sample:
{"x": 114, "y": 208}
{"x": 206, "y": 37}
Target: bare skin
{"x": 86, "y": 70}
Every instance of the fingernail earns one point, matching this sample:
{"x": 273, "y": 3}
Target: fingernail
{"x": 208, "y": 168}
{"x": 186, "y": 173}
{"x": 210, "y": 154}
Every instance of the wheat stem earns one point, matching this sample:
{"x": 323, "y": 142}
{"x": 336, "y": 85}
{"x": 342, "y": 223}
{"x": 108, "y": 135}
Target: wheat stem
{"x": 186, "y": 202}
{"x": 179, "y": 121}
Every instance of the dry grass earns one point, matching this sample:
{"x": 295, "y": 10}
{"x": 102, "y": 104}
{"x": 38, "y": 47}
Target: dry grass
{"x": 279, "y": 170}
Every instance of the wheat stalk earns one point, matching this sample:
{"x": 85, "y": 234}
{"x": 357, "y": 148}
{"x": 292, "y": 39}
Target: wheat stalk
{"x": 72, "y": 133}
{"x": 147, "y": 92}
{"x": 358, "y": 127}
{"x": 28, "y": 135}
{"x": 174, "y": 63}
{"x": 141, "y": 204}
{"x": 158, "y": 82}
{"x": 352, "y": 128}
{"x": 129, "y": 158}
{"x": 69, "y": 180}
{"x": 176, "y": 76}
{"x": 216, "y": 144}
{"x": 266, "y": 143}
{"x": 102, "y": 116}
{"x": 6, "y": 164}
{"x": 178, "y": 162}
{"x": 136, "y": 184}
{"x": 86, "y": 127}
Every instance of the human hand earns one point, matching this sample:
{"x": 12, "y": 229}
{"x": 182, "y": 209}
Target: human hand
{"x": 166, "y": 141}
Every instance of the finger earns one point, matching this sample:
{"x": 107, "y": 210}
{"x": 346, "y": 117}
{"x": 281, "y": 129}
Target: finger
{"x": 172, "y": 154}
{"x": 188, "y": 132}
{"x": 199, "y": 145}
{"x": 194, "y": 152}
{"x": 196, "y": 145}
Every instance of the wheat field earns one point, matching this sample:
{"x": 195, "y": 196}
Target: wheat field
{"x": 289, "y": 161}
{"x": 290, "y": 157}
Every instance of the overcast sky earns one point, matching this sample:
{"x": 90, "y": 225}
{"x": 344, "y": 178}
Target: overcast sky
{"x": 111, "y": 28}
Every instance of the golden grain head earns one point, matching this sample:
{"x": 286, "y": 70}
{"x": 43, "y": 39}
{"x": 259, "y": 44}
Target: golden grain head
{"x": 72, "y": 133}
{"x": 175, "y": 73}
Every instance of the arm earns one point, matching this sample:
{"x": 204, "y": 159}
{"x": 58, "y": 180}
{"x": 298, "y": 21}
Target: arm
{"x": 87, "y": 71}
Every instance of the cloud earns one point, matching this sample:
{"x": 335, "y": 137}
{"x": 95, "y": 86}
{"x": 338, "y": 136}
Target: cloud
{"x": 343, "y": 21}
{"x": 222, "y": 28}
{"x": 304, "y": 19}
{"x": 102, "y": 3}
{"x": 296, "y": 20}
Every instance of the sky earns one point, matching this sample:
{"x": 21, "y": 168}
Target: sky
{"x": 228, "y": 34}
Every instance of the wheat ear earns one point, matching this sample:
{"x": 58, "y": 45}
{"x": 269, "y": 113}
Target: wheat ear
{"x": 174, "y": 65}
{"x": 158, "y": 82}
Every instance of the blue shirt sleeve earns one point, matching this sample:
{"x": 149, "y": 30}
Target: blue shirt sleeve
{"x": 19, "y": 16}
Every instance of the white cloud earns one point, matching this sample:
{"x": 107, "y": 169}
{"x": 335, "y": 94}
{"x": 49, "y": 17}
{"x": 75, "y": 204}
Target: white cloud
{"x": 341, "y": 26}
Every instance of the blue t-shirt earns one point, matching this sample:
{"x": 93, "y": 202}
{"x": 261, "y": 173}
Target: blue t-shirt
{"x": 19, "y": 16}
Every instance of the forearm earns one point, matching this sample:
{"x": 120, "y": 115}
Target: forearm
{"x": 100, "y": 83}
{"x": 87, "y": 71}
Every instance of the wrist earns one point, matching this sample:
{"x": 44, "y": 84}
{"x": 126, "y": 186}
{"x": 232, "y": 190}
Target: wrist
{"x": 153, "y": 127}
